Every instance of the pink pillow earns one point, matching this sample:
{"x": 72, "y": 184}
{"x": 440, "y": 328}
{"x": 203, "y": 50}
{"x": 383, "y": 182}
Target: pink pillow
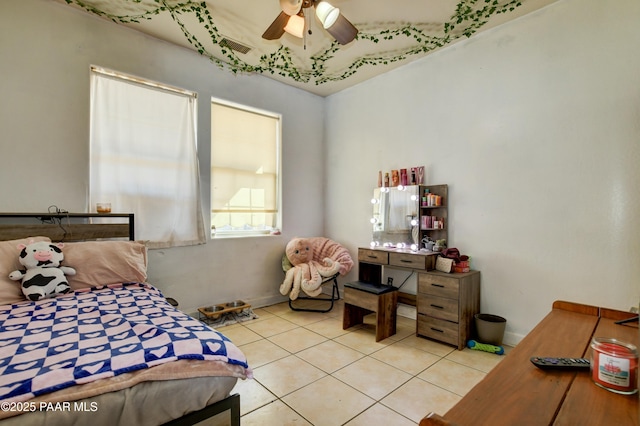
{"x": 10, "y": 291}
{"x": 105, "y": 262}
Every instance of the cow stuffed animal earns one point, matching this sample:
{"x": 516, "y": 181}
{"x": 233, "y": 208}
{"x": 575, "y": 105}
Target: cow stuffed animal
{"x": 43, "y": 275}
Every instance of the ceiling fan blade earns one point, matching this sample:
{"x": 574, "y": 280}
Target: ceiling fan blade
{"x": 276, "y": 29}
{"x": 343, "y": 30}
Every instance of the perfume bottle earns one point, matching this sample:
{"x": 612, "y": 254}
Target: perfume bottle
{"x": 403, "y": 177}
{"x": 395, "y": 177}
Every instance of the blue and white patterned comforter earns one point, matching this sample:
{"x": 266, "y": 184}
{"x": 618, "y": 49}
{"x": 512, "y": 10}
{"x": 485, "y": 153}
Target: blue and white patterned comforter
{"x": 96, "y": 333}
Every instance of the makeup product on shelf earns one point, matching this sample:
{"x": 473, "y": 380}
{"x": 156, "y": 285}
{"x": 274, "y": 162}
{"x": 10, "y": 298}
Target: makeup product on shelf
{"x": 420, "y": 175}
{"x": 395, "y": 178}
{"x": 404, "y": 180}
{"x": 379, "y": 178}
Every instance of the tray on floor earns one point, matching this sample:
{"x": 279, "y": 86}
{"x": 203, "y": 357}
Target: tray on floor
{"x": 216, "y": 311}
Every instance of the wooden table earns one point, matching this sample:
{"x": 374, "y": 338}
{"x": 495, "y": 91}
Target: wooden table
{"x": 515, "y": 392}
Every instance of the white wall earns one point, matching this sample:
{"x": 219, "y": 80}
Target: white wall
{"x": 534, "y": 126}
{"x": 46, "y": 49}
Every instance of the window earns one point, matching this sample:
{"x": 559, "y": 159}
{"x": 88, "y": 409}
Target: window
{"x": 143, "y": 157}
{"x": 245, "y": 164}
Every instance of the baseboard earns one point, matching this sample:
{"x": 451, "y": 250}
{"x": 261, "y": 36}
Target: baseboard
{"x": 512, "y": 339}
{"x": 407, "y": 311}
{"x": 267, "y": 301}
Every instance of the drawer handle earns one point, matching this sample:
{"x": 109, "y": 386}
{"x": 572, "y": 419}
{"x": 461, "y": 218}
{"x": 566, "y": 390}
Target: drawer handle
{"x": 406, "y": 261}
{"x": 437, "y": 306}
{"x": 370, "y": 256}
{"x": 438, "y": 330}
{"x": 437, "y": 285}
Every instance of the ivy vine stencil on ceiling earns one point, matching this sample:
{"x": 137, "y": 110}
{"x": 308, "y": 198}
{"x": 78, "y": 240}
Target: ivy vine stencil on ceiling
{"x": 388, "y": 34}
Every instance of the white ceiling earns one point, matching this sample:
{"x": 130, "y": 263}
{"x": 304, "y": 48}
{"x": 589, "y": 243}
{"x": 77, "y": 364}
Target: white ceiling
{"x": 420, "y": 25}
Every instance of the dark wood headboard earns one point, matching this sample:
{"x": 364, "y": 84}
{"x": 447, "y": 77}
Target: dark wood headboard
{"x": 67, "y": 226}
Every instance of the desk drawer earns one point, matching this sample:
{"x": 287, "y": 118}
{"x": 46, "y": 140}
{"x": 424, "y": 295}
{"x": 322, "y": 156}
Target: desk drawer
{"x": 443, "y": 331}
{"x": 373, "y": 256}
{"x": 438, "y": 307}
{"x": 437, "y": 285}
{"x": 406, "y": 260}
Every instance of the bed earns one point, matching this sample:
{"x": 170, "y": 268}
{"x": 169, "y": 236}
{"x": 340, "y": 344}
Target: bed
{"x": 112, "y": 351}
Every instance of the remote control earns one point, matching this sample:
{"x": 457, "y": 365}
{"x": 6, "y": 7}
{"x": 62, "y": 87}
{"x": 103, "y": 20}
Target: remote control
{"x": 550, "y": 363}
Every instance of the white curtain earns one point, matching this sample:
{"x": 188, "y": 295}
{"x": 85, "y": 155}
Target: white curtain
{"x": 144, "y": 158}
{"x": 244, "y": 169}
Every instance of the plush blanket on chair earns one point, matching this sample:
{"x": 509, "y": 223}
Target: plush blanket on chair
{"x": 324, "y": 247}
{"x": 313, "y": 260}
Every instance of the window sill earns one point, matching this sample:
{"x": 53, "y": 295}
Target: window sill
{"x": 247, "y": 235}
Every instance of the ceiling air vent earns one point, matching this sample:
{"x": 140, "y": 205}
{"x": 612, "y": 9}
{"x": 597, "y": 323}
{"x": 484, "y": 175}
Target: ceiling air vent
{"x": 234, "y": 45}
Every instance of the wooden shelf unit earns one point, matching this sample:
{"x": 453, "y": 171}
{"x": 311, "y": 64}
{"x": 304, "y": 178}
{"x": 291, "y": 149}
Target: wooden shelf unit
{"x": 437, "y": 211}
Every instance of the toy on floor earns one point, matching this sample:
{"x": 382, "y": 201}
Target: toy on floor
{"x": 498, "y": 350}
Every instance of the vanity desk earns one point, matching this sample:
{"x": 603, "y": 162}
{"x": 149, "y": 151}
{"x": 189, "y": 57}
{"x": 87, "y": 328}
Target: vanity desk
{"x": 445, "y": 302}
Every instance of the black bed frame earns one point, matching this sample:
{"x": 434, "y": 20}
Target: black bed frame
{"x": 62, "y": 226}
{"x": 232, "y": 403}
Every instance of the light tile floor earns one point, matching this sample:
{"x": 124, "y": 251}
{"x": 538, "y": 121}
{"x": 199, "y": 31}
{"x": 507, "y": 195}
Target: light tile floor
{"x": 309, "y": 371}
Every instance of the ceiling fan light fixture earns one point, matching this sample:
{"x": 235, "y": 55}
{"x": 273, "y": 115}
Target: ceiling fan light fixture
{"x": 295, "y": 26}
{"x": 327, "y": 14}
{"x": 291, "y": 7}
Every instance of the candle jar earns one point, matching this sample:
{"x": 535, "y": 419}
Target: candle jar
{"x": 103, "y": 208}
{"x": 614, "y": 365}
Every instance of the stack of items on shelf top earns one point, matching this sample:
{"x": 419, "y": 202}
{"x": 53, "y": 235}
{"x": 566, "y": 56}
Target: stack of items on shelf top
{"x": 404, "y": 177}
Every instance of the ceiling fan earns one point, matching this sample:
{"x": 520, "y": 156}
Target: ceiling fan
{"x": 292, "y": 19}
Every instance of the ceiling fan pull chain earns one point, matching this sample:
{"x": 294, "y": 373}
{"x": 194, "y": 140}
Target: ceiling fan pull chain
{"x": 307, "y": 28}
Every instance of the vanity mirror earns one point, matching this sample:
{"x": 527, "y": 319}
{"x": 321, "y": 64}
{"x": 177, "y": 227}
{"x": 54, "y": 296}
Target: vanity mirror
{"x": 395, "y": 216}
